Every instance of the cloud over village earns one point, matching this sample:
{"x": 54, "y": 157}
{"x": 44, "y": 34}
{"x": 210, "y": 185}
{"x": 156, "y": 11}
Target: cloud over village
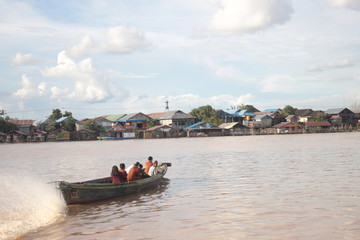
{"x": 109, "y": 57}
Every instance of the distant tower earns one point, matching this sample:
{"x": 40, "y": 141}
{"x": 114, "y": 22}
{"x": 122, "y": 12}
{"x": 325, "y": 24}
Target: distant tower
{"x": 167, "y": 106}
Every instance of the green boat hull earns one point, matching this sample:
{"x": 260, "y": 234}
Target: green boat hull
{"x": 101, "y": 189}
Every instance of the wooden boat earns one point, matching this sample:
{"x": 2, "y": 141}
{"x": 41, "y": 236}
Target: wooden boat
{"x": 100, "y": 189}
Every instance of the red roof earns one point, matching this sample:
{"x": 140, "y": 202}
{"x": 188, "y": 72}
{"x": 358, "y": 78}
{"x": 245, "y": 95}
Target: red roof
{"x": 155, "y": 115}
{"x": 318, "y": 124}
{"x": 157, "y": 127}
{"x": 287, "y": 124}
{"x": 21, "y": 122}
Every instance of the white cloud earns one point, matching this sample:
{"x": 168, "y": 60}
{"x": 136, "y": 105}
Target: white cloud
{"x": 117, "y": 74}
{"x": 84, "y": 47}
{"x": 350, "y": 4}
{"x": 29, "y": 90}
{"x": 340, "y": 64}
{"x": 278, "y": 83}
{"x": 25, "y": 59}
{"x": 89, "y": 85}
{"x": 314, "y": 68}
{"x": 58, "y": 93}
{"x": 124, "y": 40}
{"x": 244, "y": 16}
{"x": 120, "y": 40}
{"x": 344, "y": 63}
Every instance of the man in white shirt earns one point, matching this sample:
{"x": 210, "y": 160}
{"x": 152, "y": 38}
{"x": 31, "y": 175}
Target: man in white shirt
{"x": 152, "y": 169}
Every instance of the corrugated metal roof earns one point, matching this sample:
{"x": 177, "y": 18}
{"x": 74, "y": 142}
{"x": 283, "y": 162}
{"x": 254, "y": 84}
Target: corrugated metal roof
{"x": 240, "y": 113}
{"x": 113, "y": 118}
{"x": 61, "y": 119}
{"x": 228, "y": 125}
{"x": 318, "y": 124}
{"x": 334, "y": 110}
{"x": 134, "y": 117}
{"x": 287, "y": 124}
{"x": 176, "y": 115}
{"x": 21, "y": 122}
{"x": 199, "y": 125}
{"x": 259, "y": 117}
{"x": 272, "y": 110}
{"x": 157, "y": 127}
{"x": 155, "y": 115}
{"x": 303, "y": 112}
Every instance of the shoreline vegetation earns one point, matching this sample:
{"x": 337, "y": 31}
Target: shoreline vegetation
{"x": 204, "y": 121}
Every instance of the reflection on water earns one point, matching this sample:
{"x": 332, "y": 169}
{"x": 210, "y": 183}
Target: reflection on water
{"x": 262, "y": 187}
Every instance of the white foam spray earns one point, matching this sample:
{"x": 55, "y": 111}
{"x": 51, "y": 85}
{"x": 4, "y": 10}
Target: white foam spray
{"x": 27, "y": 204}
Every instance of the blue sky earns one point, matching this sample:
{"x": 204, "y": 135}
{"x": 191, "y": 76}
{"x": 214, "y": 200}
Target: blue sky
{"x": 108, "y": 57}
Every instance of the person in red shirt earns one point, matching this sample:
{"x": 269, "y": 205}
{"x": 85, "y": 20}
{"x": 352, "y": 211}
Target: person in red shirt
{"x": 115, "y": 175}
{"x": 123, "y": 173}
{"x": 134, "y": 173}
{"x": 148, "y": 164}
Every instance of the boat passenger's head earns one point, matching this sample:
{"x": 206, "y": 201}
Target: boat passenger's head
{"x": 122, "y": 166}
{"x": 150, "y": 158}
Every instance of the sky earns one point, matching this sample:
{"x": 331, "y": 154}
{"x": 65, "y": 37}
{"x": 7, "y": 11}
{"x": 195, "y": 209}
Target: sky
{"x": 102, "y": 57}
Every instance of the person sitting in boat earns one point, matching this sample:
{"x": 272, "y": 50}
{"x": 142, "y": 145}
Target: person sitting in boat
{"x": 134, "y": 173}
{"x": 115, "y": 175}
{"x": 142, "y": 171}
{"x": 153, "y": 170}
{"x": 123, "y": 173}
{"x": 131, "y": 166}
{"x": 148, "y": 164}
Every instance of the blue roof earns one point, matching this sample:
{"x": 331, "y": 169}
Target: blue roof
{"x": 271, "y": 110}
{"x": 240, "y": 113}
{"x": 61, "y": 119}
{"x": 232, "y": 111}
{"x": 199, "y": 125}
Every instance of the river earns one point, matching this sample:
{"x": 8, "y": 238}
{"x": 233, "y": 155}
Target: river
{"x": 280, "y": 187}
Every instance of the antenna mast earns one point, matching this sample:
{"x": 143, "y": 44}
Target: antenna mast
{"x": 167, "y": 106}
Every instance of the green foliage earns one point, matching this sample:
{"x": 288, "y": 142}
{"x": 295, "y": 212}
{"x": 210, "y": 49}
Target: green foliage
{"x": 51, "y": 127}
{"x": 249, "y": 108}
{"x": 67, "y": 114}
{"x": 150, "y": 124}
{"x": 91, "y": 125}
{"x": 207, "y": 114}
{"x": 288, "y": 110}
{"x": 6, "y": 126}
{"x": 56, "y": 114}
{"x": 69, "y": 124}
{"x": 318, "y": 118}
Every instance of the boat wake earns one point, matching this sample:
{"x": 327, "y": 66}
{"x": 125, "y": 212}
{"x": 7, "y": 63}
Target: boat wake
{"x": 27, "y": 204}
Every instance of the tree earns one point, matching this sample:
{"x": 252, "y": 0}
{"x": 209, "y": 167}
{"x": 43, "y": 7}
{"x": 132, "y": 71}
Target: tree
{"x": 318, "y": 118}
{"x": 91, "y": 125}
{"x": 56, "y": 114}
{"x": 67, "y": 114}
{"x": 69, "y": 124}
{"x": 207, "y": 114}
{"x": 288, "y": 110}
{"x": 249, "y": 108}
{"x": 52, "y": 126}
{"x": 6, "y": 126}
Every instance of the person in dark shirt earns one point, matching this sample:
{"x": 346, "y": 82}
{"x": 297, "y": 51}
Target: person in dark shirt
{"x": 123, "y": 173}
